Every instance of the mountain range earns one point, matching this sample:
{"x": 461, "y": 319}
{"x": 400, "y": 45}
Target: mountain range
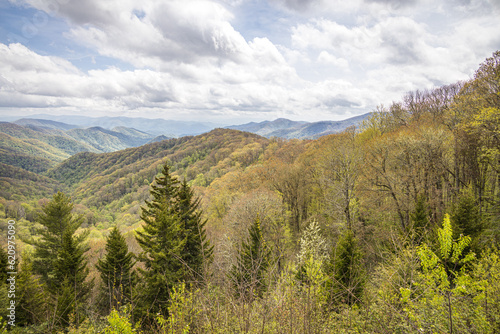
{"x": 38, "y": 144}
{"x": 285, "y": 128}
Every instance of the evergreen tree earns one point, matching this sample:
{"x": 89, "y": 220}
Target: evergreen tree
{"x": 197, "y": 249}
{"x": 4, "y": 262}
{"x": 59, "y": 258}
{"x": 466, "y": 219}
{"x": 345, "y": 271}
{"x": 420, "y": 221}
{"x": 162, "y": 241}
{"x": 57, "y": 221}
{"x": 31, "y": 295}
{"x": 71, "y": 272}
{"x": 248, "y": 274}
{"x": 116, "y": 271}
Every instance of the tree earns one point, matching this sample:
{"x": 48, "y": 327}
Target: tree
{"x": 116, "y": 271}
{"x": 341, "y": 168}
{"x": 4, "y": 262}
{"x": 71, "y": 272}
{"x": 58, "y": 222}
{"x": 31, "y": 295}
{"x": 312, "y": 253}
{"x": 444, "y": 297}
{"x": 163, "y": 242}
{"x": 465, "y": 217}
{"x": 346, "y": 275}
{"x": 59, "y": 258}
{"x": 248, "y": 274}
{"x": 197, "y": 248}
{"x": 420, "y": 220}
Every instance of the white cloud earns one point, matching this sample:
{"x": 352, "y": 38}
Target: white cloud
{"x": 340, "y": 57}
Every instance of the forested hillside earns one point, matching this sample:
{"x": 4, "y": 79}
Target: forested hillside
{"x": 392, "y": 227}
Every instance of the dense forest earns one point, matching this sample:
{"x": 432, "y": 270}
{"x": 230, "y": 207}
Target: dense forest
{"x": 392, "y": 227}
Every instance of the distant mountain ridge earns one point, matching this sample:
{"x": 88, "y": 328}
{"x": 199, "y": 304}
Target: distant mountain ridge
{"x": 154, "y": 127}
{"x": 285, "y": 128}
{"x": 37, "y": 145}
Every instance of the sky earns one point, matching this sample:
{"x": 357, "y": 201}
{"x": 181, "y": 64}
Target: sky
{"x": 234, "y": 61}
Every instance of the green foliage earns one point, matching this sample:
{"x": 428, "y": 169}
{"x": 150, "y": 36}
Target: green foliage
{"x": 59, "y": 258}
{"x": 119, "y": 323}
{"x": 346, "y": 274}
{"x": 420, "y": 221}
{"x": 57, "y": 237}
{"x": 446, "y": 290}
{"x": 116, "y": 271}
{"x": 4, "y": 262}
{"x": 197, "y": 249}
{"x": 181, "y": 311}
{"x": 31, "y": 295}
{"x": 248, "y": 274}
{"x": 466, "y": 219}
{"x": 163, "y": 241}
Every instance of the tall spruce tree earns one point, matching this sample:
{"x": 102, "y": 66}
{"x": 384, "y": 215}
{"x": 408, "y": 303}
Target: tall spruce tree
{"x": 31, "y": 295}
{"x": 57, "y": 221}
{"x": 162, "y": 241}
{"x": 197, "y": 249}
{"x": 116, "y": 271}
{"x": 420, "y": 221}
{"x": 466, "y": 219}
{"x": 173, "y": 241}
{"x": 71, "y": 272}
{"x": 345, "y": 271}
{"x": 248, "y": 274}
{"x": 60, "y": 260}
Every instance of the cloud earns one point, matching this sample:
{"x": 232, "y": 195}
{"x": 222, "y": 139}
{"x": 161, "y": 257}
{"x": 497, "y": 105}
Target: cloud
{"x": 312, "y": 59}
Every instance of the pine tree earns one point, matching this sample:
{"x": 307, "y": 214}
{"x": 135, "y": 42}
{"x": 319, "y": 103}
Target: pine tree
{"x": 31, "y": 295}
{"x": 248, "y": 274}
{"x": 57, "y": 220}
{"x": 420, "y": 221}
{"x": 162, "y": 243}
{"x": 4, "y": 262}
{"x": 173, "y": 241}
{"x": 59, "y": 258}
{"x": 71, "y": 272}
{"x": 466, "y": 219}
{"x": 345, "y": 271}
{"x": 197, "y": 249}
{"x": 116, "y": 271}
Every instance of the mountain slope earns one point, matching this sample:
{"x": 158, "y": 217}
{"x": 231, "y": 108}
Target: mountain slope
{"x": 155, "y": 127}
{"x": 284, "y": 128}
{"x": 266, "y": 128}
{"x": 103, "y": 140}
{"x": 44, "y": 123}
{"x": 104, "y": 179}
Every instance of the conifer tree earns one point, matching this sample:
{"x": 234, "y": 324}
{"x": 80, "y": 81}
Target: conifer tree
{"x": 59, "y": 258}
{"x": 71, "y": 272}
{"x": 420, "y": 220}
{"x": 162, "y": 243}
{"x": 116, "y": 271}
{"x": 345, "y": 271}
{"x": 197, "y": 249}
{"x": 4, "y": 258}
{"x": 57, "y": 221}
{"x": 466, "y": 219}
{"x": 173, "y": 241}
{"x": 31, "y": 295}
{"x": 248, "y": 274}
